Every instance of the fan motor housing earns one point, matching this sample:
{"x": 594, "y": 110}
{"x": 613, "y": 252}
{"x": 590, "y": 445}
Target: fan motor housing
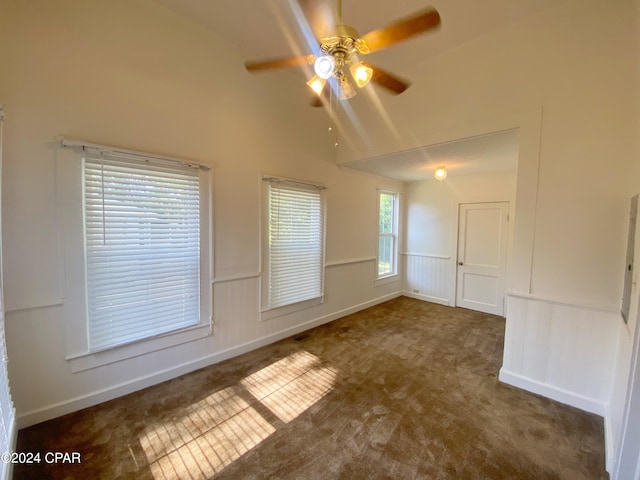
{"x": 344, "y": 41}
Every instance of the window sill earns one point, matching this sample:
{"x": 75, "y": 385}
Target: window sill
{"x": 386, "y": 279}
{"x": 287, "y": 309}
{"x": 87, "y": 361}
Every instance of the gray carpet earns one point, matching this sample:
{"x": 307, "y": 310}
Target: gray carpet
{"x": 403, "y": 390}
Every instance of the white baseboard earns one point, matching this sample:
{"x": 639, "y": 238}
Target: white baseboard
{"x": 554, "y": 393}
{"x": 58, "y": 409}
{"x": 427, "y": 298}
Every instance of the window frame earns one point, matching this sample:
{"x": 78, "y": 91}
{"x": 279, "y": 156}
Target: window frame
{"x": 381, "y": 279}
{"x": 266, "y": 311}
{"x": 69, "y": 176}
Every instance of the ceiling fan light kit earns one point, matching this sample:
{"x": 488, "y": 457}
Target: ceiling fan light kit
{"x": 324, "y": 66}
{"x": 346, "y": 90}
{"x": 317, "y": 84}
{"x": 339, "y": 60}
{"x": 361, "y": 73}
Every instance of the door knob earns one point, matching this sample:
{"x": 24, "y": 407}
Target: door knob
{"x": 460, "y": 263}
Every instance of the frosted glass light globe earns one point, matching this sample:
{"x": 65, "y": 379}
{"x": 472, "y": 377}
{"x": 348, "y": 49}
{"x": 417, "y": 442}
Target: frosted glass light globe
{"x": 440, "y": 173}
{"x": 324, "y": 66}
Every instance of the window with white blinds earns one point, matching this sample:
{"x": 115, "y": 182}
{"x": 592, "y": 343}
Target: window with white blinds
{"x": 142, "y": 245}
{"x": 295, "y": 243}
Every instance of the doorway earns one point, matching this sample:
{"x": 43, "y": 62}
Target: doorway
{"x": 482, "y": 256}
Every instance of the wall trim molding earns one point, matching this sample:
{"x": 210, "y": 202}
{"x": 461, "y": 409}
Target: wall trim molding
{"x": 62, "y": 408}
{"x": 235, "y": 278}
{"x": 426, "y": 255}
{"x": 427, "y": 298}
{"x": 563, "y": 302}
{"x": 349, "y": 261}
{"x": 554, "y": 393}
{"x": 249, "y": 276}
{"x": 44, "y": 305}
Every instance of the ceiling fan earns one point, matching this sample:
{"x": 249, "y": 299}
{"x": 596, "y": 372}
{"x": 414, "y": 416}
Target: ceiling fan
{"x": 338, "y": 59}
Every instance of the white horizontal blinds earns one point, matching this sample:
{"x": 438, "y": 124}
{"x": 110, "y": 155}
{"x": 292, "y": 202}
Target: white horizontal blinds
{"x": 387, "y": 234}
{"x": 295, "y": 243}
{"x": 142, "y": 228}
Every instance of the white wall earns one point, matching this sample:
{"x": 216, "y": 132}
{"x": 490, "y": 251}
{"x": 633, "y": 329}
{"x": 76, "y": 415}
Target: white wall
{"x": 132, "y": 74}
{"x": 576, "y": 64}
{"x": 621, "y": 380}
{"x": 625, "y": 445}
{"x": 431, "y": 220}
{"x": 624, "y": 422}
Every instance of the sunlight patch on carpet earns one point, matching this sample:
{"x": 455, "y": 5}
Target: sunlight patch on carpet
{"x": 290, "y": 386}
{"x": 212, "y": 433}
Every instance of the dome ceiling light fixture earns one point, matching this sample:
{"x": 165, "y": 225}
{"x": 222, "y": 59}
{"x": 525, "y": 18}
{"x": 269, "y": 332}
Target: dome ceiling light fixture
{"x": 339, "y": 55}
{"x": 440, "y": 173}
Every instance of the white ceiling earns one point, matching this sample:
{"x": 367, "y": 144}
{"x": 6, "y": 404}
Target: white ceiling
{"x": 492, "y": 153}
{"x": 262, "y": 29}
{"x": 273, "y": 28}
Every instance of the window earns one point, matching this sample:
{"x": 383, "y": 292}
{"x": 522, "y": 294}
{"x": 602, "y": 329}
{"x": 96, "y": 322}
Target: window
{"x": 387, "y": 234}
{"x": 142, "y": 234}
{"x": 293, "y": 249}
{"x": 137, "y": 252}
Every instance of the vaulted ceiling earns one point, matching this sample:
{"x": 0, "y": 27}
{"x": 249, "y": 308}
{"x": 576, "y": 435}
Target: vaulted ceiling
{"x": 271, "y": 28}
{"x": 263, "y": 29}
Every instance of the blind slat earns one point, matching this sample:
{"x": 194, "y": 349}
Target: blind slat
{"x": 142, "y": 230}
{"x": 295, "y": 255}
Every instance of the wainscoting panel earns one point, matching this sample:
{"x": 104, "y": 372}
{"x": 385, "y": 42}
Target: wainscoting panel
{"x": 560, "y": 350}
{"x": 55, "y": 390}
{"x": 428, "y": 277}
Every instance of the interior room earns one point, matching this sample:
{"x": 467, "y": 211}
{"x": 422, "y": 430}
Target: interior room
{"x": 531, "y": 107}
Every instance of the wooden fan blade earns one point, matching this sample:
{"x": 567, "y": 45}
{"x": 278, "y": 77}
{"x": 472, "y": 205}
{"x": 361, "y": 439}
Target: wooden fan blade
{"x": 285, "y": 62}
{"x": 404, "y": 29}
{"x": 387, "y": 80}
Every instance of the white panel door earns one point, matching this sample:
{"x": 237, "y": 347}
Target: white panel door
{"x": 482, "y": 256}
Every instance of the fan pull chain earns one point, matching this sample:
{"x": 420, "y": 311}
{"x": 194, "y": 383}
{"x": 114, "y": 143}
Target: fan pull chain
{"x": 332, "y": 123}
